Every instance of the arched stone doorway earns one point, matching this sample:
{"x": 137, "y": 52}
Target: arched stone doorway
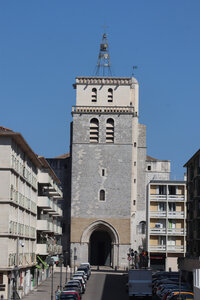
{"x": 100, "y": 248}
{"x": 103, "y": 243}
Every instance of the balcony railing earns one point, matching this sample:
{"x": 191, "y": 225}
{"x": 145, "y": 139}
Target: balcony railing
{"x": 171, "y": 198}
{"x": 158, "y": 214}
{"x": 169, "y": 214}
{"x": 159, "y": 248}
{"x": 156, "y": 230}
{"x": 175, "y": 248}
{"x": 158, "y": 197}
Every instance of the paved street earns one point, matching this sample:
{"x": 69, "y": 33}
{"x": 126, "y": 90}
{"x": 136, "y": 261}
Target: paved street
{"x": 106, "y": 286}
{"x": 102, "y": 285}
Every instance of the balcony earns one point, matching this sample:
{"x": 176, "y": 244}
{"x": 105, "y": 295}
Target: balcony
{"x": 176, "y": 214}
{"x": 45, "y": 179}
{"x": 176, "y": 231}
{"x": 175, "y": 248}
{"x": 169, "y": 231}
{"x": 156, "y": 230}
{"x": 44, "y": 225}
{"x": 158, "y": 214}
{"x": 42, "y": 249}
{"x": 176, "y": 198}
{"x": 157, "y": 248}
{"x": 158, "y": 198}
{"x": 45, "y": 202}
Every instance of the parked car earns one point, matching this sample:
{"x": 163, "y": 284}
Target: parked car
{"x": 82, "y": 274}
{"x": 81, "y": 280}
{"x": 69, "y": 295}
{"x": 72, "y": 281}
{"x": 85, "y": 269}
{"x": 88, "y": 265}
{"x": 73, "y": 286}
{"x": 181, "y": 296}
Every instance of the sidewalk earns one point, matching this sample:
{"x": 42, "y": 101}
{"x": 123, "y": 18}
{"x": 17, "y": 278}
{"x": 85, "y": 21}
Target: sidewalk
{"x": 43, "y": 291}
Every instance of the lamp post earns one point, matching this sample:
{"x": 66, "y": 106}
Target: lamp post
{"x": 50, "y": 262}
{"x": 66, "y": 257}
{"x": 15, "y": 281}
{"x": 75, "y": 257}
{"x": 71, "y": 251}
{"x": 61, "y": 262}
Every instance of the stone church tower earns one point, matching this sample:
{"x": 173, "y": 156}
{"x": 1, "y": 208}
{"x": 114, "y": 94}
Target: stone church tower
{"x": 108, "y": 150}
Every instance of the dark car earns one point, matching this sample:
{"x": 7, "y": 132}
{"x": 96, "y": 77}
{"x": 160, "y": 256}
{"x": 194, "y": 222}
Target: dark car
{"x": 86, "y": 269}
{"x": 69, "y": 295}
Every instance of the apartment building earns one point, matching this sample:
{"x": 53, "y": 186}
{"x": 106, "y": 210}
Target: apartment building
{"x": 30, "y": 216}
{"x": 166, "y": 229}
{"x": 18, "y": 212}
{"x": 49, "y": 218}
{"x": 190, "y": 265}
{"x": 62, "y": 167}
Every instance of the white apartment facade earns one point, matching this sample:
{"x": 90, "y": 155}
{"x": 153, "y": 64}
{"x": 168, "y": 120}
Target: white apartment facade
{"x": 18, "y": 212}
{"x": 20, "y": 172}
{"x": 166, "y": 227}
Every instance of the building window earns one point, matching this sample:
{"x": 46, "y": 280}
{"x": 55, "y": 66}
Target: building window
{"x": 1, "y": 278}
{"x": 162, "y": 189}
{"x": 94, "y": 95}
{"x": 110, "y": 95}
{"x": 94, "y": 131}
{"x": 135, "y": 144}
{"x": 172, "y": 206}
{"x": 142, "y": 227}
{"x": 103, "y": 172}
{"x": 110, "y": 131}
{"x": 134, "y": 163}
{"x": 149, "y": 168}
{"x": 172, "y": 189}
{"x": 102, "y": 195}
{"x": 134, "y": 202}
{"x": 134, "y": 180}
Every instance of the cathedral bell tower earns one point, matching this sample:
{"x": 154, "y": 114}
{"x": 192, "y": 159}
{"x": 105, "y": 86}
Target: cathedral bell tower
{"x": 105, "y": 144}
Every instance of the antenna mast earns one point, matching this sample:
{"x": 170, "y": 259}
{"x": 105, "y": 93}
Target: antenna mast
{"x": 103, "y": 67}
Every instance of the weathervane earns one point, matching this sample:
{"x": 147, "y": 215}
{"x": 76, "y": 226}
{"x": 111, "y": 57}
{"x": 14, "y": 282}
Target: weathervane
{"x": 103, "y": 67}
{"x": 134, "y": 68}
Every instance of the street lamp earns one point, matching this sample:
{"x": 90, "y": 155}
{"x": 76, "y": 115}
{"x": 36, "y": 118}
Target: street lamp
{"x": 50, "y": 262}
{"x": 15, "y": 281}
{"x": 75, "y": 258}
{"x": 66, "y": 257}
{"x": 61, "y": 262}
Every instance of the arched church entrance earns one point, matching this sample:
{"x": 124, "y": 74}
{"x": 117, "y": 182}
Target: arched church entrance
{"x": 102, "y": 242}
{"x": 100, "y": 248}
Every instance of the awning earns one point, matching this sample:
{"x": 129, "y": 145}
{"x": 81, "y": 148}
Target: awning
{"x": 43, "y": 262}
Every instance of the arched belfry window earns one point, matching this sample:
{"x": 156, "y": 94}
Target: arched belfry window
{"x": 94, "y": 131}
{"x": 94, "y": 95}
{"x": 110, "y": 131}
{"x": 102, "y": 196}
{"x": 110, "y": 95}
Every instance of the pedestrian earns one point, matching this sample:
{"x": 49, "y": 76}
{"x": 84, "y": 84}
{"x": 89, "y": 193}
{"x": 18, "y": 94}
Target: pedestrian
{"x": 58, "y": 291}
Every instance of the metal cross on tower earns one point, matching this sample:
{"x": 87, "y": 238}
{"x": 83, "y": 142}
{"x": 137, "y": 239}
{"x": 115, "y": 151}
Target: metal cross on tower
{"x": 103, "y": 67}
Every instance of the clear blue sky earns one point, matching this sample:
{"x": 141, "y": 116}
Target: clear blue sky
{"x": 45, "y": 44}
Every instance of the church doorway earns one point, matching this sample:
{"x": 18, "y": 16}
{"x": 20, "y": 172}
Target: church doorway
{"x": 100, "y": 248}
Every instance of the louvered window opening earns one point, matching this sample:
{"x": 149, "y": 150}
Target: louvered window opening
{"x": 110, "y": 95}
{"x": 94, "y": 95}
{"x": 94, "y": 131}
{"x": 110, "y": 131}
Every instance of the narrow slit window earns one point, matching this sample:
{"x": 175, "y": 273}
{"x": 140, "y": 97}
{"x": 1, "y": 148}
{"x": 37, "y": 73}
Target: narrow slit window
{"x": 110, "y": 131}
{"x": 94, "y": 131}
{"x": 102, "y": 195}
{"x": 110, "y": 95}
{"x": 94, "y": 95}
